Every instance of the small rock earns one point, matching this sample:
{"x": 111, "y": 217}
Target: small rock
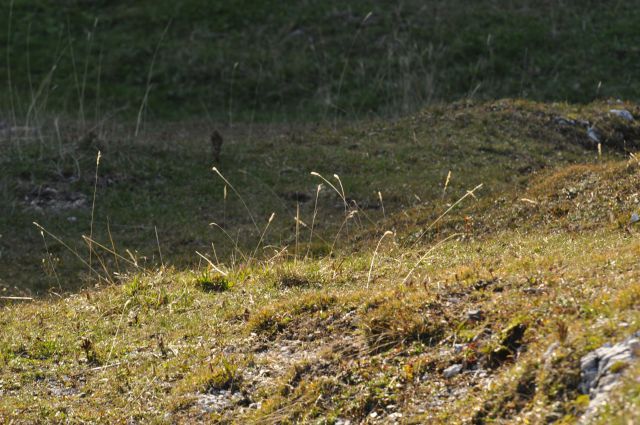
{"x": 457, "y": 348}
{"x": 373, "y": 414}
{"x": 564, "y": 121}
{"x": 452, "y": 371}
{"x": 601, "y": 371}
{"x": 634, "y": 218}
{"x": 481, "y": 374}
{"x": 474, "y": 315}
{"x": 622, "y": 113}
{"x": 548, "y": 354}
{"x": 593, "y": 135}
{"x": 218, "y": 401}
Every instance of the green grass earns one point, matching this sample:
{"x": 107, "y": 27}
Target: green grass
{"x": 242, "y": 60}
{"x": 144, "y": 185}
{"x": 330, "y": 270}
{"x": 284, "y": 332}
{"x": 148, "y": 345}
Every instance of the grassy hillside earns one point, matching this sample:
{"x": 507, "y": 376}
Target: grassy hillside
{"x": 514, "y": 286}
{"x": 163, "y": 182}
{"x": 318, "y": 212}
{"x": 244, "y": 59}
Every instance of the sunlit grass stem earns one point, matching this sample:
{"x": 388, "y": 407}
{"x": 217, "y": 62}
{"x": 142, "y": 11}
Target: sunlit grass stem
{"x": 255, "y": 251}
{"x": 373, "y": 257}
{"x": 246, "y": 207}
{"x": 441, "y": 216}
{"x": 313, "y": 219}
{"x": 93, "y": 205}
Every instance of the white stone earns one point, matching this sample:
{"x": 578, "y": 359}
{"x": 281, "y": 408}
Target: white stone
{"x": 622, "y": 113}
{"x": 452, "y": 371}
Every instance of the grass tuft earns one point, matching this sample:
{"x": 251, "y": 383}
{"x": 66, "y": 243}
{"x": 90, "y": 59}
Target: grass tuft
{"x": 401, "y": 319}
{"x": 212, "y": 282}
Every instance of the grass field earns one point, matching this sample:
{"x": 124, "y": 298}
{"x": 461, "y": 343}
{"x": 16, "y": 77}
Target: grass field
{"x": 357, "y": 320}
{"x": 421, "y": 212}
{"x": 245, "y": 60}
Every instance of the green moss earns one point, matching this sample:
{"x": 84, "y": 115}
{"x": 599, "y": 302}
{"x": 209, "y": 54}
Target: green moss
{"x": 208, "y": 282}
{"x": 618, "y": 367}
{"x": 219, "y": 374}
{"x": 314, "y": 338}
{"x": 402, "y": 321}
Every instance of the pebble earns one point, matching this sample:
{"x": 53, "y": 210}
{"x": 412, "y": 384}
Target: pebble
{"x": 395, "y": 416}
{"x": 452, "y": 371}
{"x": 593, "y": 135}
{"x": 622, "y": 113}
{"x": 217, "y": 401}
{"x": 564, "y": 121}
{"x": 457, "y": 348}
{"x": 474, "y": 315}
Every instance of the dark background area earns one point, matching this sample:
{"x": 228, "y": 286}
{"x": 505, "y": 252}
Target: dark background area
{"x": 298, "y": 60}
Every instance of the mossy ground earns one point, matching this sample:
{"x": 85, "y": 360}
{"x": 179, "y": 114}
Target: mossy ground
{"x": 285, "y": 330}
{"x": 352, "y": 301}
{"x": 161, "y": 182}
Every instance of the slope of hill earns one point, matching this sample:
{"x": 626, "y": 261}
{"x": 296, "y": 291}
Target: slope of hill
{"x": 159, "y": 189}
{"x": 482, "y": 315}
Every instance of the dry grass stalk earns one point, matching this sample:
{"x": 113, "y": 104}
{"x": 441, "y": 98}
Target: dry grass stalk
{"x": 373, "y": 257}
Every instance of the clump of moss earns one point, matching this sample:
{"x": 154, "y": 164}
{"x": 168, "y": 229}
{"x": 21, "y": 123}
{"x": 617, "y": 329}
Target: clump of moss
{"x": 296, "y": 276}
{"x": 207, "y": 282}
{"x": 510, "y": 398}
{"x": 298, "y": 400}
{"x": 275, "y": 318}
{"x": 292, "y": 280}
{"x": 220, "y": 374}
{"x": 400, "y": 321}
{"x": 509, "y": 342}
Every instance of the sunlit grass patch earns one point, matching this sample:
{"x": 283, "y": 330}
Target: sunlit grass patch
{"x": 212, "y": 282}
{"x": 397, "y": 318}
{"x": 275, "y": 318}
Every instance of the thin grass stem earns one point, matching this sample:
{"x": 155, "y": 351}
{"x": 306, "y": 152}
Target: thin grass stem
{"x": 373, "y": 257}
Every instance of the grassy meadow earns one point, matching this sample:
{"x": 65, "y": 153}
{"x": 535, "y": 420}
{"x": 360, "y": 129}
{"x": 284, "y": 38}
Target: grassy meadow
{"x": 402, "y": 188}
